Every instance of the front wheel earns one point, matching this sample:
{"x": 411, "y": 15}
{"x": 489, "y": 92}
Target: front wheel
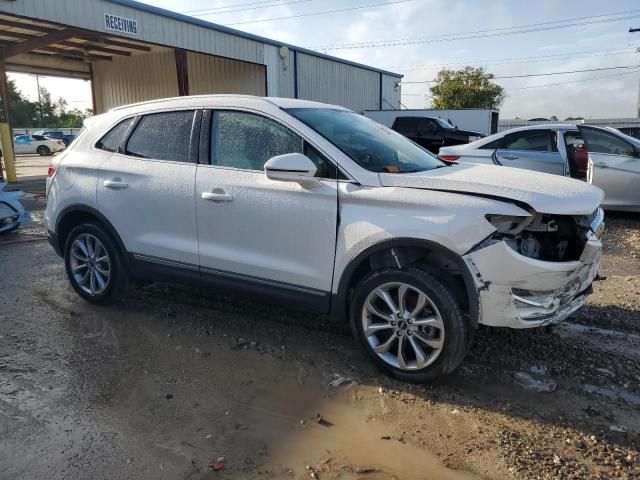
{"x": 409, "y": 324}
{"x": 94, "y": 264}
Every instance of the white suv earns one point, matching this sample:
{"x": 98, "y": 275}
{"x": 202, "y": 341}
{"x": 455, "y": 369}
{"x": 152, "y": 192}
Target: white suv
{"x": 318, "y": 206}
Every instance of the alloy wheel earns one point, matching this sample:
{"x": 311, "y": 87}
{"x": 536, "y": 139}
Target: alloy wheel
{"x": 90, "y": 264}
{"x": 403, "y": 326}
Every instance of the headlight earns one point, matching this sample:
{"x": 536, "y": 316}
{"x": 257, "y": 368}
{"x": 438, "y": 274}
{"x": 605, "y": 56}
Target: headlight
{"x": 473, "y": 138}
{"x": 509, "y": 224}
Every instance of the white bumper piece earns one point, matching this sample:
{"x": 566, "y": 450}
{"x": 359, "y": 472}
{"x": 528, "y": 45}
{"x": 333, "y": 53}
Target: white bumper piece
{"x": 521, "y": 292}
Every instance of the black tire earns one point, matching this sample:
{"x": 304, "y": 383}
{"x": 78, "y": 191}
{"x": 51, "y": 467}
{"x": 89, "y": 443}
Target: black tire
{"x": 43, "y": 150}
{"x": 457, "y": 331}
{"x": 118, "y": 280}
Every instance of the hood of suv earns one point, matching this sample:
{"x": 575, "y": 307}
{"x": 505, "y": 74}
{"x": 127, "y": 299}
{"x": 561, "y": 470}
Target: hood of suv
{"x": 543, "y": 192}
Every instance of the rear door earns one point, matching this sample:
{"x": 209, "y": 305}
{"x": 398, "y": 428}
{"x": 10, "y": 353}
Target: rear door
{"x": 614, "y": 166}
{"x": 532, "y": 150}
{"x": 407, "y": 126}
{"x": 146, "y": 186}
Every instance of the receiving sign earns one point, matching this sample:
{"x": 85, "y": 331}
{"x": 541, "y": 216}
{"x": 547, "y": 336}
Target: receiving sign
{"x": 120, "y": 24}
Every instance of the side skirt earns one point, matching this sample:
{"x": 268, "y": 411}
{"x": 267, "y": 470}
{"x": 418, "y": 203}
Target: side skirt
{"x": 162, "y": 270}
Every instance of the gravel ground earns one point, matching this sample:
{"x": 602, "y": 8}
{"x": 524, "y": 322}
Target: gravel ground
{"x": 174, "y": 383}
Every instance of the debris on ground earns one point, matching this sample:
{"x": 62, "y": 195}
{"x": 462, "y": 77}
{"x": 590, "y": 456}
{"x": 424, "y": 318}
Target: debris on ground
{"x": 527, "y": 382}
{"x": 340, "y": 380}
{"x": 216, "y": 466}
{"x": 618, "y": 428}
{"x": 169, "y": 396}
{"x": 538, "y": 369}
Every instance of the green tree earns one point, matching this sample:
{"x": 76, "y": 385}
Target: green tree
{"x": 22, "y": 112}
{"x": 467, "y": 88}
{"x": 73, "y": 118}
{"x": 47, "y": 109}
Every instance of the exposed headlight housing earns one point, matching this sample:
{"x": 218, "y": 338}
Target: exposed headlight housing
{"x": 509, "y": 224}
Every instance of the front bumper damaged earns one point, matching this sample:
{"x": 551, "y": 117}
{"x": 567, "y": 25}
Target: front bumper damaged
{"x": 516, "y": 291}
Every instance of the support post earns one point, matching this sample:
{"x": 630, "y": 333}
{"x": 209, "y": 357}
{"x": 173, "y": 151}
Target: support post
{"x": 182, "y": 71}
{"x": 94, "y": 103}
{"x": 5, "y": 131}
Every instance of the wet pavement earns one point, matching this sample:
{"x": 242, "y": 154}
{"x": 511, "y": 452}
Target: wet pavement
{"x": 173, "y": 382}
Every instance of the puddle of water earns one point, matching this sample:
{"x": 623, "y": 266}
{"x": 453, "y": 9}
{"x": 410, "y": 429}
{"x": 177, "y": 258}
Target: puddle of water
{"x": 348, "y": 442}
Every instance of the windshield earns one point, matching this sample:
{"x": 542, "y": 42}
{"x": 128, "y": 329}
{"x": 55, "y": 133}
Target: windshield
{"x": 369, "y": 144}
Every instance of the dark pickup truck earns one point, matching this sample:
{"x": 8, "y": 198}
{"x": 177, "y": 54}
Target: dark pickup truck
{"x": 433, "y": 133}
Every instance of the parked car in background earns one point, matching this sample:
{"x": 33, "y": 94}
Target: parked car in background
{"x": 484, "y": 121}
{"x": 432, "y": 133}
{"x": 605, "y": 157}
{"x": 31, "y": 144}
{"x": 631, "y": 131}
{"x": 57, "y": 134}
{"x": 318, "y": 206}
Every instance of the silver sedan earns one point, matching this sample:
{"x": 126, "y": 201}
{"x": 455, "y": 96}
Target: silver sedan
{"x": 604, "y": 157}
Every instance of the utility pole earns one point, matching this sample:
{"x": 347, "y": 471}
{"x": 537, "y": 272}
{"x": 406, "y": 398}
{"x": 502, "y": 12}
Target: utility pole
{"x": 636, "y": 30}
{"x": 39, "y": 100}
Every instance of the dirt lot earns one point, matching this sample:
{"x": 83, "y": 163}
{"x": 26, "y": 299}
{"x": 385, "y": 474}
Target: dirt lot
{"x": 169, "y": 381}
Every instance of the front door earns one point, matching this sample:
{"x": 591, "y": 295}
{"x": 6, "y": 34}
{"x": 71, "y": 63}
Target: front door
{"x": 532, "y": 150}
{"x": 614, "y": 166}
{"x": 259, "y": 230}
{"x": 146, "y": 187}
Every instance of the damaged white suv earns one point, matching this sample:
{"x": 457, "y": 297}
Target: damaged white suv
{"x": 315, "y": 205}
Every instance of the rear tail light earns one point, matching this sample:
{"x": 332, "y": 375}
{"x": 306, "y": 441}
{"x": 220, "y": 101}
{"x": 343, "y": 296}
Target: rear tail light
{"x": 449, "y": 158}
{"x": 59, "y": 142}
{"x": 51, "y": 171}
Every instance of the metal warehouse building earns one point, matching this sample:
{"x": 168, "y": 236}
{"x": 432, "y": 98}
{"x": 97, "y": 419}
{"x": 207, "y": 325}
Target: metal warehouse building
{"x": 134, "y": 52}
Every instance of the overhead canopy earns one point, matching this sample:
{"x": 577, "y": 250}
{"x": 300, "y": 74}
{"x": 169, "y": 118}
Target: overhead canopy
{"x": 38, "y": 47}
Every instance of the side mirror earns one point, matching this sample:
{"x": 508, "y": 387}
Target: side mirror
{"x": 292, "y": 167}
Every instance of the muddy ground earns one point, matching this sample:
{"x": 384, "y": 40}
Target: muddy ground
{"x": 171, "y": 383}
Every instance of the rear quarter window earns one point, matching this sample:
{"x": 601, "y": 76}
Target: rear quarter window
{"x": 113, "y": 140}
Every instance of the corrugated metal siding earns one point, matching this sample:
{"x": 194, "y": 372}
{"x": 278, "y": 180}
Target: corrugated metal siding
{"x": 330, "y": 82}
{"x": 390, "y": 93}
{"x": 209, "y": 74}
{"x": 279, "y": 72}
{"x": 134, "y": 79}
{"x": 153, "y": 28}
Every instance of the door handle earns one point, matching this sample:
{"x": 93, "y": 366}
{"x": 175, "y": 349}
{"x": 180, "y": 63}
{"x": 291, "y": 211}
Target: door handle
{"x": 116, "y": 184}
{"x": 217, "y": 196}
{"x": 601, "y": 165}
{"x": 509, "y": 157}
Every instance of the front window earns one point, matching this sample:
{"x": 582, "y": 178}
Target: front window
{"x": 371, "y": 145}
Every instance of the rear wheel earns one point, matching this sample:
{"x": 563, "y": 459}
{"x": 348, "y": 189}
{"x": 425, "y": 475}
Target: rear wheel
{"x": 43, "y": 150}
{"x": 409, "y": 324}
{"x": 94, "y": 264}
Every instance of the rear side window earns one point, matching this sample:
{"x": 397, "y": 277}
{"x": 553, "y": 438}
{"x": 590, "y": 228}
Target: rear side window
{"x": 162, "y": 136}
{"x": 405, "y": 124}
{"x": 491, "y": 145}
{"x": 112, "y": 141}
{"x": 532, "y": 141}
{"x": 604, "y": 142}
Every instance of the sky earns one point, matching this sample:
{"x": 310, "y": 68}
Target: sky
{"x": 418, "y": 37}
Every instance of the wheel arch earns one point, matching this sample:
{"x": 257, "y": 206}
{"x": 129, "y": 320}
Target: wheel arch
{"x": 74, "y": 215}
{"x": 402, "y": 252}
